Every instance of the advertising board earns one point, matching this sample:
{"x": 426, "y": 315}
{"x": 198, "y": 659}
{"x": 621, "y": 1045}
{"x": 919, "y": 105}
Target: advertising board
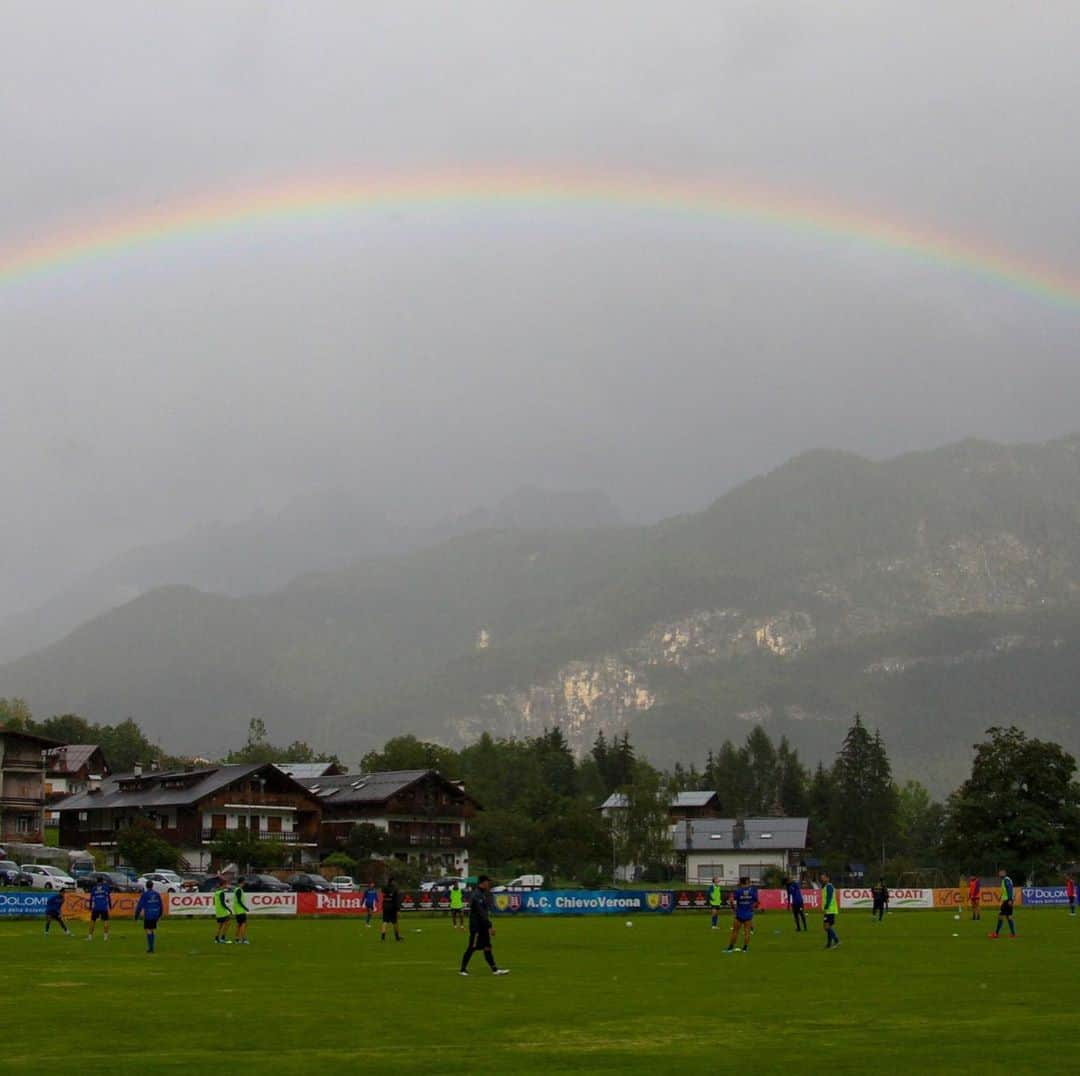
{"x": 898, "y": 898}
{"x": 203, "y": 903}
{"x": 584, "y": 902}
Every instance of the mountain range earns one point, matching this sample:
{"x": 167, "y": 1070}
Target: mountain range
{"x": 318, "y": 532}
{"x": 937, "y": 593}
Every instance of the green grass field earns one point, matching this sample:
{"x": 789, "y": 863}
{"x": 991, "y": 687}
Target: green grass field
{"x": 584, "y": 995}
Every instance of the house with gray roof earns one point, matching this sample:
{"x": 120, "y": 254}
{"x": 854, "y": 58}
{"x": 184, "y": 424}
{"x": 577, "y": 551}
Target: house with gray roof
{"x": 682, "y": 805}
{"x": 301, "y": 771}
{"x": 731, "y": 848}
{"x": 426, "y": 815}
{"x": 69, "y": 768}
{"x": 193, "y": 807}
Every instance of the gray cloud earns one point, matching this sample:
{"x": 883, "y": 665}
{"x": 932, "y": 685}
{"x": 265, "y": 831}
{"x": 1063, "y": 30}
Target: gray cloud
{"x": 437, "y": 359}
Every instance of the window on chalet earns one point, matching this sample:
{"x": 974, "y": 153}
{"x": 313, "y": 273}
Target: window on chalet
{"x": 217, "y": 821}
{"x": 273, "y": 824}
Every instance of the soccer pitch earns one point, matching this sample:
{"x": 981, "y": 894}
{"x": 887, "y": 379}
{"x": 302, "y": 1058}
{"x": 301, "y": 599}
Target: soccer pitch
{"x": 583, "y": 995}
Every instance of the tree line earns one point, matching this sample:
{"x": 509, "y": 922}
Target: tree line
{"x": 1019, "y": 808}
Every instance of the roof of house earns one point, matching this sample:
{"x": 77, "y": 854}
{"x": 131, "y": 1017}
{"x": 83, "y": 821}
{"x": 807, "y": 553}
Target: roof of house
{"x": 70, "y": 758}
{"x": 614, "y": 801}
{"x": 43, "y": 740}
{"x": 358, "y": 789}
{"x": 693, "y": 799}
{"x": 302, "y": 771}
{"x": 681, "y": 799}
{"x": 166, "y": 788}
{"x": 747, "y": 834}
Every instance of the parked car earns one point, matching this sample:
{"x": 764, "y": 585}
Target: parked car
{"x": 343, "y": 884}
{"x": 209, "y": 883}
{"x": 264, "y": 883}
{"x": 190, "y": 882}
{"x": 12, "y": 874}
{"x": 526, "y": 881}
{"x": 162, "y": 883}
{"x": 440, "y": 885}
{"x": 171, "y": 875}
{"x": 42, "y": 876}
{"x": 119, "y": 883}
{"x": 309, "y": 883}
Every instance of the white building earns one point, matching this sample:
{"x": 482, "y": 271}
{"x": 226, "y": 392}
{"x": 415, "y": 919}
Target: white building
{"x": 731, "y": 848}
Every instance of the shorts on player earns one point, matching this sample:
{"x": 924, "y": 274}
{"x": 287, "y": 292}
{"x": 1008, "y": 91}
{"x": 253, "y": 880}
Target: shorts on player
{"x": 389, "y": 917}
{"x": 830, "y": 920}
{"x": 150, "y": 924}
{"x": 480, "y": 939}
{"x": 241, "y": 918}
{"x": 747, "y": 920}
{"x": 221, "y": 919}
{"x": 1007, "y": 908}
{"x": 96, "y": 914}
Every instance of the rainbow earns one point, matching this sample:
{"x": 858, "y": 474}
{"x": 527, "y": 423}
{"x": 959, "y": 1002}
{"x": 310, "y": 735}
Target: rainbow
{"x": 221, "y": 215}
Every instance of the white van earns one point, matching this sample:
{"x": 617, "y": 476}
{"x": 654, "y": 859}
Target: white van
{"x": 526, "y": 881}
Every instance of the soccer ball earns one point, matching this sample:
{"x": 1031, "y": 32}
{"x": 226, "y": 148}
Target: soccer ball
{"x": 628, "y": 923}
{"x": 957, "y": 916}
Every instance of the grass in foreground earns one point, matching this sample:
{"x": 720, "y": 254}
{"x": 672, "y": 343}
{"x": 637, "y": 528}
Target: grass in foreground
{"x": 584, "y": 995}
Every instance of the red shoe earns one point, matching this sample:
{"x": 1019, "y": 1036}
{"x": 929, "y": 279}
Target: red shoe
{"x": 991, "y": 935}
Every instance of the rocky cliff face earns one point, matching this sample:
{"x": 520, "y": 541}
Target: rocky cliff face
{"x": 602, "y": 694}
{"x": 994, "y": 573}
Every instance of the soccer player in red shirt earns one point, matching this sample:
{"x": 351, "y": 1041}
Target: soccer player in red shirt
{"x": 975, "y": 896}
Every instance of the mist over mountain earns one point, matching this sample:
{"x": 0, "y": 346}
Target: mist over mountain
{"x": 936, "y": 593}
{"x": 317, "y": 532}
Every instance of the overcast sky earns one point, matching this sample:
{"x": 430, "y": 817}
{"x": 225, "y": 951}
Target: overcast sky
{"x": 438, "y": 359}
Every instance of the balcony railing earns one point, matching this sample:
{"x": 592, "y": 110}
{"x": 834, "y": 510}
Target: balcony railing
{"x": 12, "y": 800}
{"x": 420, "y": 840}
{"x": 15, "y": 762}
{"x": 260, "y": 834}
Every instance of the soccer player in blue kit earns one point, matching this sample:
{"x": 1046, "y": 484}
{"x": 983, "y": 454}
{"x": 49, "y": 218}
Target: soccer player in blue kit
{"x": 100, "y": 906}
{"x": 744, "y": 900}
{"x": 796, "y": 903}
{"x": 54, "y": 912}
{"x": 149, "y": 909}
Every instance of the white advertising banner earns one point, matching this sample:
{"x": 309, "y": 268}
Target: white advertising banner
{"x": 898, "y": 898}
{"x": 258, "y": 903}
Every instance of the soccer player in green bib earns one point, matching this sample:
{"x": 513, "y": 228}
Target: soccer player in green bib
{"x": 457, "y": 907}
{"x": 222, "y": 913}
{"x": 1008, "y": 894}
{"x": 716, "y": 902}
{"x": 240, "y": 910}
{"x": 830, "y": 906}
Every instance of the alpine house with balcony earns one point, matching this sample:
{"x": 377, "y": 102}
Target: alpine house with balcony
{"x": 22, "y": 785}
{"x": 192, "y": 808}
{"x": 426, "y": 815}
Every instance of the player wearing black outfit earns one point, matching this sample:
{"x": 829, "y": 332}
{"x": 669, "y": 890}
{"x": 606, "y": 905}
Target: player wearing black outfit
{"x": 480, "y": 928}
{"x": 391, "y": 905}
